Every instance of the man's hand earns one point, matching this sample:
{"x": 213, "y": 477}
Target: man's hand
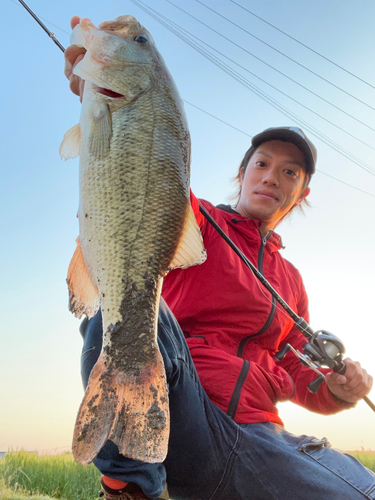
{"x": 73, "y": 55}
{"x": 353, "y": 386}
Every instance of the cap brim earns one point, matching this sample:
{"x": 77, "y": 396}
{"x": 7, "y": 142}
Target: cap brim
{"x": 288, "y": 136}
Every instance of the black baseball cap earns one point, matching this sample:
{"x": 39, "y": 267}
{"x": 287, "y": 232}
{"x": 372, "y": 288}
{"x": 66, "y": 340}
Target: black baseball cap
{"x": 290, "y": 134}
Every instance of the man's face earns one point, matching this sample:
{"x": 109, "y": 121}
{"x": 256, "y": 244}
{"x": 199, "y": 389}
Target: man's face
{"x": 272, "y": 183}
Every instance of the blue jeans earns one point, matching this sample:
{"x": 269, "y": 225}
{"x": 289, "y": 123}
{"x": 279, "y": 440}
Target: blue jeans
{"x": 211, "y": 457}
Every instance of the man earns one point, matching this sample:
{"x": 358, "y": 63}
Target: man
{"x": 227, "y": 440}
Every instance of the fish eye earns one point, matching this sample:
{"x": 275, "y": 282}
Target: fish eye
{"x": 140, "y": 39}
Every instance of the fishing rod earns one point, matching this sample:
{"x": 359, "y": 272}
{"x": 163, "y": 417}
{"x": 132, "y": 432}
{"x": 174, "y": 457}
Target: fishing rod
{"x": 49, "y": 33}
{"x": 323, "y": 348}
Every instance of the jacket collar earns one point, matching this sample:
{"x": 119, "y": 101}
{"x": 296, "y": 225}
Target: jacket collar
{"x": 274, "y": 242}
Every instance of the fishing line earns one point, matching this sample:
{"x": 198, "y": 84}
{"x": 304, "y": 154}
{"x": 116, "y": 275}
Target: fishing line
{"x": 275, "y": 69}
{"x": 46, "y": 20}
{"x": 234, "y": 74}
{"x": 300, "y": 323}
{"x": 49, "y": 33}
{"x": 303, "y": 45}
{"x": 282, "y": 53}
{"x": 235, "y": 128}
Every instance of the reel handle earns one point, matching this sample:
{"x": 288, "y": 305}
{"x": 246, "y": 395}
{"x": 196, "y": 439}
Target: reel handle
{"x": 280, "y": 355}
{"x": 341, "y": 368}
{"x": 313, "y": 386}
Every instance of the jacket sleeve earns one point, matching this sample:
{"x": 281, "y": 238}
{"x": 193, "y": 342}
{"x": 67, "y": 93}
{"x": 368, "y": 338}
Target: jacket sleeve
{"x": 323, "y": 401}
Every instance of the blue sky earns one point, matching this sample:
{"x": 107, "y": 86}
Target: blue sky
{"x": 332, "y": 245}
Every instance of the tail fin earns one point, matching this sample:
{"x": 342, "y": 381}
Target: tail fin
{"x": 130, "y": 410}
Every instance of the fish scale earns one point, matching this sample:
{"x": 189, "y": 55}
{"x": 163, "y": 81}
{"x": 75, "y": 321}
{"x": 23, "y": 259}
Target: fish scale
{"x": 136, "y": 223}
{"x": 131, "y": 250}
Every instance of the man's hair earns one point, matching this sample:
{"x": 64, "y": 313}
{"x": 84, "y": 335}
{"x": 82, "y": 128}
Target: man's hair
{"x": 241, "y": 170}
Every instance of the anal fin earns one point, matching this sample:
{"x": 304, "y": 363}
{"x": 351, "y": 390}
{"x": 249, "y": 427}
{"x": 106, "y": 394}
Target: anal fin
{"x": 83, "y": 294}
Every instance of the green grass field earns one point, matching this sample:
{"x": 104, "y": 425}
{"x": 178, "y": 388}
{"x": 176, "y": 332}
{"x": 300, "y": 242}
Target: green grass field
{"x": 366, "y": 457}
{"x": 29, "y": 476}
{"x": 26, "y": 475}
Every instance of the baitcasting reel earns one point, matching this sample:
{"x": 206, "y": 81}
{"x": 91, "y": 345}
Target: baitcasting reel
{"x": 324, "y": 349}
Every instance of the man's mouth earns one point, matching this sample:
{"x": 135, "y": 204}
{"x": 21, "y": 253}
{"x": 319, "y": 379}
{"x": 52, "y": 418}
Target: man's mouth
{"x": 109, "y": 93}
{"x": 267, "y": 194}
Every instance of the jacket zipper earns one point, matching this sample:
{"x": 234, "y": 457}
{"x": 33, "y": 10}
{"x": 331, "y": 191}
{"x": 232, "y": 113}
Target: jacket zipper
{"x": 234, "y": 400}
{"x": 267, "y": 324}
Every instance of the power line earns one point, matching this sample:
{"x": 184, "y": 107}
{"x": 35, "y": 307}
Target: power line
{"x": 269, "y": 84}
{"x": 248, "y": 135}
{"x": 218, "y": 119}
{"x": 304, "y": 45}
{"x": 235, "y": 128}
{"x": 346, "y": 184}
{"x": 250, "y": 86}
{"x": 272, "y": 67}
{"x": 285, "y": 55}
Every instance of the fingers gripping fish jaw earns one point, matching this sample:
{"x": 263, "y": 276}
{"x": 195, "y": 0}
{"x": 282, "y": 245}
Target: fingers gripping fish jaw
{"x": 112, "y": 49}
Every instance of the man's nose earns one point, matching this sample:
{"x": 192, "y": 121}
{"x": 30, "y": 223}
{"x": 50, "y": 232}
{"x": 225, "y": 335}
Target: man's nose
{"x": 271, "y": 177}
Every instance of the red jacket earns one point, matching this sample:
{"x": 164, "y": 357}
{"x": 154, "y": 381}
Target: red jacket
{"x": 233, "y": 327}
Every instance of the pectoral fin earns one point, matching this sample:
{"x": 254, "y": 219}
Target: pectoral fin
{"x": 83, "y": 294}
{"x": 190, "y": 250}
{"x": 71, "y": 143}
{"x": 101, "y": 132}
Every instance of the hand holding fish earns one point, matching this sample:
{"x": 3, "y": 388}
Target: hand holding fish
{"x": 73, "y": 55}
{"x": 353, "y": 386}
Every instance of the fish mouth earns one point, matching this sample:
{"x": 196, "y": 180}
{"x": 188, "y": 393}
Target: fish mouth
{"x": 109, "y": 93}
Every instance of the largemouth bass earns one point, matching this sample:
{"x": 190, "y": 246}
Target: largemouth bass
{"x": 135, "y": 224}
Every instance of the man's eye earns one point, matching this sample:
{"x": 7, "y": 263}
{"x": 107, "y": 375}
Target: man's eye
{"x": 140, "y": 39}
{"x": 290, "y": 172}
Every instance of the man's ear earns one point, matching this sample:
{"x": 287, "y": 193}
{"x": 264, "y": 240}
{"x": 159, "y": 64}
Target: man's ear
{"x": 303, "y": 195}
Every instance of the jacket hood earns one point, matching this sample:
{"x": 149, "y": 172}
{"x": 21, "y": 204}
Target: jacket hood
{"x": 274, "y": 241}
